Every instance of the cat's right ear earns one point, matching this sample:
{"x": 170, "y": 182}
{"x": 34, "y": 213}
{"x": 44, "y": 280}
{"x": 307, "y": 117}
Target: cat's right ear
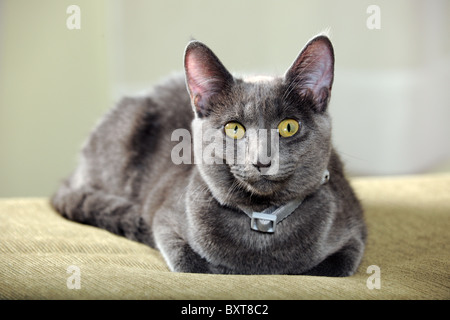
{"x": 206, "y": 77}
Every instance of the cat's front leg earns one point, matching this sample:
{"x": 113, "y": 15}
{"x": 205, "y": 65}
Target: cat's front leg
{"x": 342, "y": 263}
{"x": 186, "y": 260}
{"x": 181, "y": 258}
{"x": 177, "y": 253}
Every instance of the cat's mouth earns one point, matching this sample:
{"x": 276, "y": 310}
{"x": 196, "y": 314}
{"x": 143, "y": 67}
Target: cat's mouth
{"x": 259, "y": 182}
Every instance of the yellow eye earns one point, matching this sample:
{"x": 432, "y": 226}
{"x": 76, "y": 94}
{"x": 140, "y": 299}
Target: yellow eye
{"x": 234, "y": 130}
{"x": 288, "y": 127}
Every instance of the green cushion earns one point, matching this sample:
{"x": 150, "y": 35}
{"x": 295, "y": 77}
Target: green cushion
{"x": 408, "y": 220}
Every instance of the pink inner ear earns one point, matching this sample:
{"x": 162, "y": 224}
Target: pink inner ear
{"x": 203, "y": 79}
{"x": 195, "y": 74}
{"x": 313, "y": 69}
{"x": 205, "y": 75}
{"x": 322, "y": 76}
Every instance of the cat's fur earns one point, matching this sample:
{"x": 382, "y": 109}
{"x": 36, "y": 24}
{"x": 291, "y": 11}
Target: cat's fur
{"x": 127, "y": 183}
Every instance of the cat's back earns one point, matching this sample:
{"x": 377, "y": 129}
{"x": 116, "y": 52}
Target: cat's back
{"x": 133, "y": 140}
{"x": 165, "y": 106}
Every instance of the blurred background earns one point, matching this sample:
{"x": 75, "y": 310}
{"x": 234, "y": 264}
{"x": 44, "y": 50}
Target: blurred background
{"x": 390, "y": 102}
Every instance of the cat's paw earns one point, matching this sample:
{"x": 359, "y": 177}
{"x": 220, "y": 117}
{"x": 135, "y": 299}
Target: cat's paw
{"x": 343, "y": 263}
{"x": 190, "y": 262}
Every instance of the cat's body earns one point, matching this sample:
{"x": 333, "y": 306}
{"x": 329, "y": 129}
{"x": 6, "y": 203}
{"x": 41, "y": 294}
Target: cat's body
{"x": 128, "y": 183}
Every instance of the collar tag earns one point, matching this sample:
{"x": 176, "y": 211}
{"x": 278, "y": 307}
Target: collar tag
{"x": 267, "y": 220}
{"x": 263, "y": 222}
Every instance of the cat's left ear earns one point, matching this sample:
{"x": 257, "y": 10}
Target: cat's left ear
{"x": 206, "y": 77}
{"x": 312, "y": 72}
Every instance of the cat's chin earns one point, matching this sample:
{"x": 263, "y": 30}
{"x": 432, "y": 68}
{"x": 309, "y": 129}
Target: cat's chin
{"x": 264, "y": 186}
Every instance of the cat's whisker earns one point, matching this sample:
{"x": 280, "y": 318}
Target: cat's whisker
{"x": 234, "y": 186}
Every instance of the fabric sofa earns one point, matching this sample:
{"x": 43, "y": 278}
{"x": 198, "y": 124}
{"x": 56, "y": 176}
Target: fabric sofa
{"x": 44, "y": 256}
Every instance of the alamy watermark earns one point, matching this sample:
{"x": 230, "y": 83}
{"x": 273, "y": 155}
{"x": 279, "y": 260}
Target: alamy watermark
{"x": 373, "y": 21}
{"x": 374, "y": 281}
{"x": 73, "y": 22}
{"x": 74, "y": 280}
{"x": 259, "y": 147}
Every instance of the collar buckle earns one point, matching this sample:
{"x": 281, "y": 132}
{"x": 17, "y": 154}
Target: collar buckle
{"x": 267, "y": 220}
{"x": 263, "y": 222}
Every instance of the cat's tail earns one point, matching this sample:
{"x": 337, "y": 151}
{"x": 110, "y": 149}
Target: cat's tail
{"x": 95, "y": 207}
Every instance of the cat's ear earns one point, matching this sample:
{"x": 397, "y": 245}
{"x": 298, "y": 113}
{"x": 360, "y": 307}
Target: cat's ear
{"x": 206, "y": 77}
{"x": 311, "y": 74}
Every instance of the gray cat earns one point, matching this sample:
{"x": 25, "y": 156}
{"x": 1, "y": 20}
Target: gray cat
{"x": 263, "y": 191}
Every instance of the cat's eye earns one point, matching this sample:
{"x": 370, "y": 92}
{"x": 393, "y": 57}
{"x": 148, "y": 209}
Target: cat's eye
{"x": 234, "y": 130}
{"x": 288, "y": 127}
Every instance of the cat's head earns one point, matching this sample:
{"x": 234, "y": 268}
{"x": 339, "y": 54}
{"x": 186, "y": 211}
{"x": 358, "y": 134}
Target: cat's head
{"x": 269, "y": 137}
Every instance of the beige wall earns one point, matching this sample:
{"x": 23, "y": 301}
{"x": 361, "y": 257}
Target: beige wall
{"x": 53, "y": 84}
{"x": 391, "y": 103}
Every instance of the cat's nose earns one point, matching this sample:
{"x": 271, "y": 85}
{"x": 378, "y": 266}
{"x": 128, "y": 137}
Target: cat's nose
{"x": 258, "y": 165}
